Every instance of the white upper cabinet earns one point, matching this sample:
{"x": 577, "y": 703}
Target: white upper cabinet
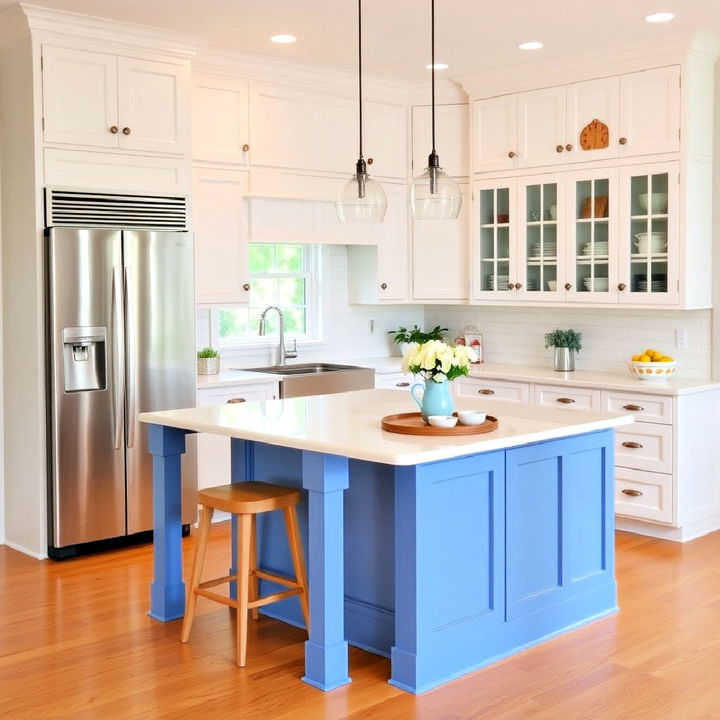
{"x": 220, "y": 125}
{"x": 650, "y": 112}
{"x": 494, "y": 133}
{"x": 99, "y": 100}
{"x": 586, "y": 102}
{"x": 302, "y": 130}
{"x": 385, "y": 140}
{"x": 451, "y": 137}
{"x": 541, "y": 127}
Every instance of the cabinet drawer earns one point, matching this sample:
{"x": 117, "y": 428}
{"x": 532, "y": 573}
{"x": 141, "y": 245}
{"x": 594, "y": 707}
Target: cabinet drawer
{"x": 643, "y": 495}
{"x": 644, "y": 446}
{"x": 220, "y": 395}
{"x": 557, "y": 396}
{"x": 496, "y": 389}
{"x": 394, "y": 381}
{"x": 646, "y": 408}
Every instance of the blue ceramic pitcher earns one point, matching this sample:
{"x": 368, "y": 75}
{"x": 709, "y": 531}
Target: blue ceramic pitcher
{"x": 436, "y": 398}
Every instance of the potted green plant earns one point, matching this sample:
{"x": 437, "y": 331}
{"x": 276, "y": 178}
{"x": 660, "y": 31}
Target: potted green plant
{"x": 565, "y": 343}
{"x": 408, "y": 339}
{"x": 208, "y": 361}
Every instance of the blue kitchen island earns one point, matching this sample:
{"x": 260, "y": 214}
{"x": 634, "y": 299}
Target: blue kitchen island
{"x": 445, "y": 553}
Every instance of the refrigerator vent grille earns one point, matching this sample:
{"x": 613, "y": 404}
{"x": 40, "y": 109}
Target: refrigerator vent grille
{"x": 67, "y": 208}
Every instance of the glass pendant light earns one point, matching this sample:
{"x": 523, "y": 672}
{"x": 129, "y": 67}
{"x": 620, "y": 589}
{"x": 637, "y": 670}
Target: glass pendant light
{"x": 362, "y": 200}
{"x": 434, "y": 195}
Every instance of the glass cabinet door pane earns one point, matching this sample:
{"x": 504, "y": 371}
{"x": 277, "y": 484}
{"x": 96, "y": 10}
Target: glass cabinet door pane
{"x": 541, "y": 237}
{"x": 494, "y": 208}
{"x": 649, "y": 233}
{"x": 592, "y": 216}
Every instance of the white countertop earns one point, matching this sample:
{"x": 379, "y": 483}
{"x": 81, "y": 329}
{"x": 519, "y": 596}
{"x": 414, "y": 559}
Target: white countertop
{"x": 234, "y": 377}
{"x": 348, "y": 424}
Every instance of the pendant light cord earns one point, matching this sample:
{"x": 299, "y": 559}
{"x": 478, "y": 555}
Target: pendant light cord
{"x": 432, "y": 66}
{"x": 360, "y": 75}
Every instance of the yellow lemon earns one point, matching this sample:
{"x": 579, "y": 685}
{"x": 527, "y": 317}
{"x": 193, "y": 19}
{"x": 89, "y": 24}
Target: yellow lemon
{"x": 649, "y": 352}
{"x": 656, "y": 355}
{"x": 644, "y": 358}
{"x": 636, "y": 357}
{"x": 666, "y": 358}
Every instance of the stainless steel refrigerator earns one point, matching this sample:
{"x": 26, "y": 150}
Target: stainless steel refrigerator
{"x": 121, "y": 340}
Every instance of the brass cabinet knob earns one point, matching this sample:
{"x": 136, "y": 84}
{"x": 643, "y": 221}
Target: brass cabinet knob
{"x": 245, "y": 147}
{"x": 518, "y": 286}
{"x": 114, "y": 129}
{"x": 126, "y": 131}
{"x": 559, "y": 148}
{"x": 370, "y": 161}
{"x": 568, "y": 147}
{"x": 565, "y": 401}
{"x": 236, "y": 400}
{"x": 246, "y": 286}
{"x": 402, "y": 384}
{"x": 622, "y": 286}
{"x": 486, "y": 391}
{"x": 511, "y": 286}
{"x": 633, "y": 445}
{"x": 384, "y": 286}
{"x": 636, "y": 408}
{"x": 511, "y": 154}
{"x": 568, "y": 286}
{"x": 633, "y": 493}
{"x": 622, "y": 140}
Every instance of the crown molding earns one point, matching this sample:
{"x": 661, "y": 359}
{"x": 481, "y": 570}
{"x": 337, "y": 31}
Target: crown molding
{"x": 13, "y": 25}
{"x": 447, "y": 92}
{"x": 590, "y": 65}
{"x": 58, "y": 23}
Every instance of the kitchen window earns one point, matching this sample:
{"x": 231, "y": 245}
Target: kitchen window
{"x": 281, "y": 274}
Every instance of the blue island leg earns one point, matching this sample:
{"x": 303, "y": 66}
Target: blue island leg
{"x": 326, "y": 652}
{"x": 167, "y": 591}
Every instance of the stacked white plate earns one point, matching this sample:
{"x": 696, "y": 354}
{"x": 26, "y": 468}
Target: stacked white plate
{"x": 601, "y": 248}
{"x": 549, "y": 248}
{"x": 502, "y": 282}
{"x": 531, "y": 285}
{"x": 599, "y": 285}
{"x": 655, "y": 286}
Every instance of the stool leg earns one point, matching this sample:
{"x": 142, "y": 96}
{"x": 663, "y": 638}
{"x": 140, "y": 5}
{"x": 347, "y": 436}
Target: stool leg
{"x": 243, "y": 553}
{"x": 293, "y": 533}
{"x": 206, "y": 514}
{"x": 254, "y": 582}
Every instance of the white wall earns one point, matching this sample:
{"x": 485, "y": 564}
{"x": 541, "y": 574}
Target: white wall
{"x": 610, "y": 337}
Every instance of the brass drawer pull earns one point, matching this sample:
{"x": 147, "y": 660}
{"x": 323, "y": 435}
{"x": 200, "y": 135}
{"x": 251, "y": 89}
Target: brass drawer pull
{"x": 114, "y": 129}
{"x": 565, "y": 401}
{"x": 631, "y": 444}
{"x": 402, "y": 384}
{"x": 486, "y": 391}
{"x": 126, "y": 131}
{"x": 634, "y": 408}
{"x": 235, "y": 400}
{"x": 633, "y": 493}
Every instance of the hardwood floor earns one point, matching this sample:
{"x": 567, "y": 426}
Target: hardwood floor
{"x": 75, "y": 642}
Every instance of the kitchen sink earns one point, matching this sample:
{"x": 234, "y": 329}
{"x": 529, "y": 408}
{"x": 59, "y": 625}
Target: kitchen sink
{"x": 302, "y": 379}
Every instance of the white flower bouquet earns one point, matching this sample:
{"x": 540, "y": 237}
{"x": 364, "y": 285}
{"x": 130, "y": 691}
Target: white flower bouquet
{"x": 436, "y": 361}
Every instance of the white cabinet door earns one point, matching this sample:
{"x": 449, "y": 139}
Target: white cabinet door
{"x": 494, "y": 134}
{"x": 80, "y": 103}
{"x": 451, "y": 138}
{"x": 541, "y": 127}
{"x": 588, "y": 101}
{"x": 385, "y": 139}
{"x": 440, "y": 256}
{"x": 650, "y": 112}
{"x": 392, "y": 253}
{"x": 154, "y": 103}
{"x": 220, "y": 127}
{"x": 221, "y": 274}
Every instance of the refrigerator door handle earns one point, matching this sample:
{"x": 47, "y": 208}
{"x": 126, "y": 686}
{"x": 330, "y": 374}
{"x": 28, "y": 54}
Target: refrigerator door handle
{"x": 131, "y": 389}
{"x": 118, "y": 357}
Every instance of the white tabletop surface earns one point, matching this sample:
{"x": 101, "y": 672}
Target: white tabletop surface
{"x": 348, "y": 424}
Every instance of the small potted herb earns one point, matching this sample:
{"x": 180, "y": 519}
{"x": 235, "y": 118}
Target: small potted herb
{"x": 565, "y": 343}
{"x": 208, "y": 361}
{"x": 408, "y": 339}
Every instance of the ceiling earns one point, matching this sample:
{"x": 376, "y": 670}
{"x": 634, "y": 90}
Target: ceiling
{"x": 471, "y": 35}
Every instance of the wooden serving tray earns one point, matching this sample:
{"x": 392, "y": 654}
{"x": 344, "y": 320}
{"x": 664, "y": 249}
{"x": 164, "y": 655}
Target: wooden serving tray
{"x": 413, "y": 424}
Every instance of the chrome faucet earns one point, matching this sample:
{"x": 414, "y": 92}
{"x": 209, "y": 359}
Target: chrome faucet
{"x": 282, "y": 353}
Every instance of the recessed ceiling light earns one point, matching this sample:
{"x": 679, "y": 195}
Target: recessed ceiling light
{"x": 437, "y": 66}
{"x": 659, "y": 17}
{"x": 283, "y": 39}
{"x": 532, "y": 45}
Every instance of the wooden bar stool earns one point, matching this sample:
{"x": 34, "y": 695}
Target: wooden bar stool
{"x": 246, "y": 500}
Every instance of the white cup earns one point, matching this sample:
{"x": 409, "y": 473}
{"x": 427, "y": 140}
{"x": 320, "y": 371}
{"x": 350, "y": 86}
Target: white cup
{"x": 471, "y": 417}
{"x": 442, "y": 421}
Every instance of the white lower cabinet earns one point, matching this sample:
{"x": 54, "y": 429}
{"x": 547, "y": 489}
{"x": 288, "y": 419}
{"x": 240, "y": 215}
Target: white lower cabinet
{"x": 643, "y": 495}
{"x": 394, "y": 381}
{"x": 214, "y": 450}
{"x": 559, "y": 396}
{"x": 496, "y": 389}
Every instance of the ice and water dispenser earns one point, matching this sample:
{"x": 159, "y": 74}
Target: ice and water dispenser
{"x": 84, "y": 358}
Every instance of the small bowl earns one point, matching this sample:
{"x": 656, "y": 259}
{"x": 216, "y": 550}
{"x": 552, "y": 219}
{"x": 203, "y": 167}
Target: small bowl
{"x": 443, "y": 421}
{"x": 471, "y": 417}
{"x": 652, "y": 370}
{"x": 658, "y": 203}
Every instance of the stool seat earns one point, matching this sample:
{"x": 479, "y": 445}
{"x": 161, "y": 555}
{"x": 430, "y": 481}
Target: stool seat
{"x": 248, "y": 498}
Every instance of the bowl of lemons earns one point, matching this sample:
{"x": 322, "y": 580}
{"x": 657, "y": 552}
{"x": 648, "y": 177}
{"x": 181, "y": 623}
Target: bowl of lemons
{"x": 652, "y": 365}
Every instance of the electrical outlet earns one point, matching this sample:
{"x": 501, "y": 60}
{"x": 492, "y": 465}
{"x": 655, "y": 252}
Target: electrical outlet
{"x": 371, "y": 327}
{"x": 681, "y": 339}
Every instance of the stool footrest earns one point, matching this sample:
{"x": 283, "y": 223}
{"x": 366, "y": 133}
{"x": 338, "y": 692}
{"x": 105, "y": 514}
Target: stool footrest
{"x": 274, "y": 598}
{"x": 217, "y": 581}
{"x": 230, "y": 602}
{"x": 287, "y": 582}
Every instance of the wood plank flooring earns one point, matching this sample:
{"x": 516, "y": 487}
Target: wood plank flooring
{"x": 75, "y": 642}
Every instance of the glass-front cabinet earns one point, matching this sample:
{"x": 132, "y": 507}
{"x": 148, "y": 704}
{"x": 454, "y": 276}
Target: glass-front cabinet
{"x": 494, "y": 267}
{"x": 591, "y": 250}
{"x": 649, "y": 235}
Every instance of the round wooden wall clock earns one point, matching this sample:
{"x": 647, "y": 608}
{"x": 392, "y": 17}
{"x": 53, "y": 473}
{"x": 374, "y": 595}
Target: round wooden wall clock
{"x": 594, "y": 136}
